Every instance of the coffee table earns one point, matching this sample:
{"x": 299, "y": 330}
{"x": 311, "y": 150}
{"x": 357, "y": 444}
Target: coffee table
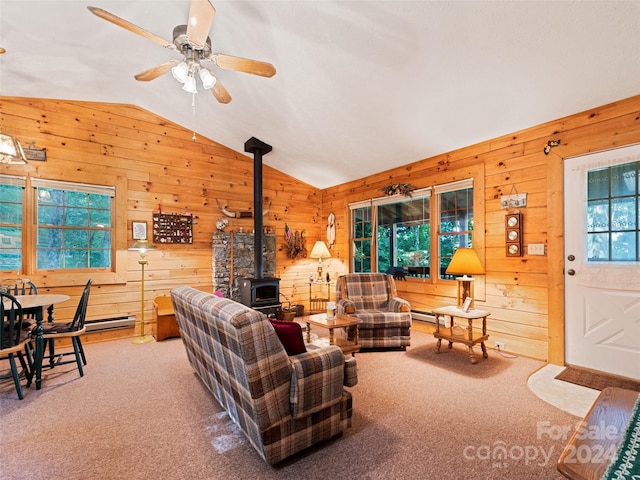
{"x": 340, "y": 321}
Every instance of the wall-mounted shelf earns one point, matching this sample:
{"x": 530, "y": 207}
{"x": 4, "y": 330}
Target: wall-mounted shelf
{"x": 172, "y": 228}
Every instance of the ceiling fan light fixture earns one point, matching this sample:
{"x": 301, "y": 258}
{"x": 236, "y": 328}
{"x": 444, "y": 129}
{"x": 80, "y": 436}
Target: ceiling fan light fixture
{"x": 190, "y": 85}
{"x": 208, "y": 80}
{"x": 180, "y": 72}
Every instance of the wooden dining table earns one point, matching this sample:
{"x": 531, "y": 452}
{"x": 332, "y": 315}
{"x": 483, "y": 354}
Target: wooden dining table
{"x": 35, "y": 304}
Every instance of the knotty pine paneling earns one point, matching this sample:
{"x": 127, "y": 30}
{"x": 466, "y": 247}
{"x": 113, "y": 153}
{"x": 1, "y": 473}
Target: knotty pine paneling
{"x": 159, "y": 164}
{"x": 162, "y": 165}
{"x": 523, "y": 294}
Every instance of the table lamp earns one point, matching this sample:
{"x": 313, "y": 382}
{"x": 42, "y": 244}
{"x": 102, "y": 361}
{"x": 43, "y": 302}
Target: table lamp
{"x": 465, "y": 262}
{"x": 142, "y": 246}
{"x": 320, "y": 251}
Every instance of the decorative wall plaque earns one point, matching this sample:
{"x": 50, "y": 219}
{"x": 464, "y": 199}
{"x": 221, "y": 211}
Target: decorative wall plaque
{"x": 513, "y": 234}
{"x": 172, "y": 228}
{"x": 35, "y": 154}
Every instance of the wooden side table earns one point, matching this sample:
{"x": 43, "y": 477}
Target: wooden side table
{"x": 166, "y": 325}
{"x": 341, "y": 321}
{"x": 319, "y": 302}
{"x": 456, "y": 333}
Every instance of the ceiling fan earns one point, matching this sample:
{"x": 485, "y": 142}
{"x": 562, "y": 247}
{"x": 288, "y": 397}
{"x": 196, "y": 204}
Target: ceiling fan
{"x": 193, "y": 42}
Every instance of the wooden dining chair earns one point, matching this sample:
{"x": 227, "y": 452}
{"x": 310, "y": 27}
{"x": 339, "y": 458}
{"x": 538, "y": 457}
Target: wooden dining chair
{"x": 14, "y": 339}
{"x": 53, "y": 331}
{"x": 20, "y": 286}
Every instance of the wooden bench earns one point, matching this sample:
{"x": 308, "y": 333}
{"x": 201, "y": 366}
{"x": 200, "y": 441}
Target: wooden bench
{"x": 592, "y": 446}
{"x": 166, "y": 325}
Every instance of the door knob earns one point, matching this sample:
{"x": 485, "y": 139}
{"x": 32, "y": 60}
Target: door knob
{"x": 571, "y": 271}
{"x": 571, "y": 258}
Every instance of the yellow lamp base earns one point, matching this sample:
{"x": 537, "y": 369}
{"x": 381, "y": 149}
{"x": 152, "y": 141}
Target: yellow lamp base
{"x": 143, "y": 339}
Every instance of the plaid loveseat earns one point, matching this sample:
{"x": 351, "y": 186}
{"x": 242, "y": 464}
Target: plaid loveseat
{"x": 282, "y": 403}
{"x": 385, "y": 319}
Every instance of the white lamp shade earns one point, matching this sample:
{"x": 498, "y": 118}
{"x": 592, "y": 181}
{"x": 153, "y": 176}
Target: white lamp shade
{"x": 320, "y": 250}
{"x": 190, "y": 85}
{"x": 180, "y": 72}
{"x": 208, "y": 80}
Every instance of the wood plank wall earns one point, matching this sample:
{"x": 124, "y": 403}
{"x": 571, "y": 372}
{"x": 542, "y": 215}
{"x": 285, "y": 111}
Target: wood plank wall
{"x": 523, "y": 294}
{"x": 161, "y": 165}
{"x": 158, "y": 164}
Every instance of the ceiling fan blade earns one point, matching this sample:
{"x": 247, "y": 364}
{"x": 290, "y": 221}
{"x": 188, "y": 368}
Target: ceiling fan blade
{"x": 110, "y": 17}
{"x": 220, "y": 93}
{"x": 156, "y": 71}
{"x": 201, "y": 14}
{"x": 245, "y": 65}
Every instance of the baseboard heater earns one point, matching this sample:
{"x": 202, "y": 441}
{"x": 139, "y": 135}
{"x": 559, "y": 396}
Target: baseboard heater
{"x": 112, "y": 323}
{"x": 423, "y": 316}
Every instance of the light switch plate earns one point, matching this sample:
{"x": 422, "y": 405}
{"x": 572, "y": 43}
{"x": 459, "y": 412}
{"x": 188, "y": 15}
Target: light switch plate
{"x": 535, "y": 249}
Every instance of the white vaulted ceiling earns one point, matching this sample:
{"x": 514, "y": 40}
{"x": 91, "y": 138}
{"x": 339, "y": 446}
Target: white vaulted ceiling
{"x": 361, "y": 86}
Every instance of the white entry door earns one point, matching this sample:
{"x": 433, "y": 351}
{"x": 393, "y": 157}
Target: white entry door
{"x": 602, "y": 261}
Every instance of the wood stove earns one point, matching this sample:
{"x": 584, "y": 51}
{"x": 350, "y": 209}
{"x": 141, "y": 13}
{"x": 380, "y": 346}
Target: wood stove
{"x": 259, "y": 293}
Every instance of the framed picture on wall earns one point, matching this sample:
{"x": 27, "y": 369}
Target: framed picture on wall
{"x": 139, "y": 230}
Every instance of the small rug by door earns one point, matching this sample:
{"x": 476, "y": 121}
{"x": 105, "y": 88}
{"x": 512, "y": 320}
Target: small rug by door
{"x": 596, "y": 380}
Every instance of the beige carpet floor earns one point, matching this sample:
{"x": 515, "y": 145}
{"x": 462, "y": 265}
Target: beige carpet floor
{"x": 140, "y": 412}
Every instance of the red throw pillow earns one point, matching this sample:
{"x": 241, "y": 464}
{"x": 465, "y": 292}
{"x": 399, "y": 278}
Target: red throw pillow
{"x": 290, "y": 334}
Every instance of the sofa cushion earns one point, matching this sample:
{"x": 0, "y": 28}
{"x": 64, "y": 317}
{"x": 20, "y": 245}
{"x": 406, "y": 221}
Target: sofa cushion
{"x": 290, "y": 334}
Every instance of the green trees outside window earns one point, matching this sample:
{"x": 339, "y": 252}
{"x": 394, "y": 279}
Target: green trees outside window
{"x": 74, "y": 226}
{"x": 405, "y": 235}
{"x": 362, "y": 238}
{"x": 74, "y": 229}
{"x": 10, "y": 226}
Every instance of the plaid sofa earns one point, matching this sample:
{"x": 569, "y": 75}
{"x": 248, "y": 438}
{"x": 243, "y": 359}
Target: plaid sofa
{"x": 385, "y": 319}
{"x": 282, "y": 404}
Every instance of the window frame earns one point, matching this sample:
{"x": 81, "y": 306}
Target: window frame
{"x": 420, "y": 194}
{"x": 435, "y": 285}
{"x": 20, "y": 182}
{"x": 610, "y": 200}
{"x": 66, "y": 229}
{"x": 116, "y": 274}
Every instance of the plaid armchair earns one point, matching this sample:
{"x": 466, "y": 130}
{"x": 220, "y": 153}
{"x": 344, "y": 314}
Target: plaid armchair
{"x": 282, "y": 403}
{"x": 385, "y": 319}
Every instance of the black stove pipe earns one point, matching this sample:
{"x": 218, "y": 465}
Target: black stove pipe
{"x": 258, "y": 148}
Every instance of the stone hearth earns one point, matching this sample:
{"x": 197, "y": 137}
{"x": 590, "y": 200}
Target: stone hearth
{"x": 243, "y": 260}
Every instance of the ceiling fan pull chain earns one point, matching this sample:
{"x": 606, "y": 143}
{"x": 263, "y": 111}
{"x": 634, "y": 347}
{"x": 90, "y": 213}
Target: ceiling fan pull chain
{"x": 193, "y": 109}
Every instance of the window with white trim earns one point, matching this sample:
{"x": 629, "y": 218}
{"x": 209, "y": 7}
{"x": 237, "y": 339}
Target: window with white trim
{"x": 11, "y": 219}
{"x": 392, "y": 234}
{"x": 73, "y": 226}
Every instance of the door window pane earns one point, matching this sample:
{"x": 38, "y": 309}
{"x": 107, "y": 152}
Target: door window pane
{"x": 623, "y": 246}
{"x": 612, "y": 214}
{"x": 598, "y": 246}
